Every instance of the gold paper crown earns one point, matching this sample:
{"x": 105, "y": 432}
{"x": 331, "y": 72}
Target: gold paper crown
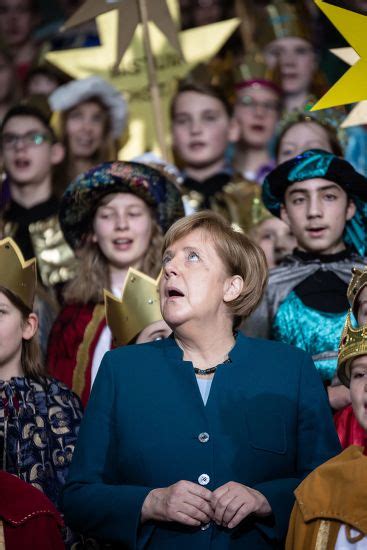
{"x": 241, "y": 202}
{"x": 353, "y": 343}
{"x": 254, "y": 67}
{"x": 138, "y": 307}
{"x": 16, "y": 274}
{"x": 282, "y": 20}
{"x": 357, "y": 283}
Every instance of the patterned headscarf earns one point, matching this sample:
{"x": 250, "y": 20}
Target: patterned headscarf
{"x": 81, "y": 198}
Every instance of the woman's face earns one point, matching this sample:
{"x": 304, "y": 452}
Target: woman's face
{"x": 257, "y": 113}
{"x": 301, "y": 137}
{"x": 195, "y": 286}
{"x": 155, "y": 331}
{"x": 296, "y": 60}
{"x": 122, "y": 228}
{"x": 358, "y": 389}
{"x": 12, "y": 332}
{"x": 85, "y": 129}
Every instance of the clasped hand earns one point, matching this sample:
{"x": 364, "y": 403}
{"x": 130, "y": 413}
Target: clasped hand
{"x": 192, "y": 504}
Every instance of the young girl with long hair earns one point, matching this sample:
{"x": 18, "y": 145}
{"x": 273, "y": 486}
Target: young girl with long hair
{"x": 114, "y": 216}
{"x": 39, "y": 416}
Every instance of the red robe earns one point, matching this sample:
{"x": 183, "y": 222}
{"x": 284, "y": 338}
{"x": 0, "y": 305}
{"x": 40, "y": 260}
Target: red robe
{"x": 348, "y": 429}
{"x": 72, "y": 343}
{"x": 27, "y": 517}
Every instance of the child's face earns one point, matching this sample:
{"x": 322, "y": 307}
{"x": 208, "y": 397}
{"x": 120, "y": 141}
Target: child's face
{"x": 122, "y": 229}
{"x": 201, "y": 129}
{"x": 257, "y": 112}
{"x": 41, "y": 84}
{"x": 16, "y": 21}
{"x": 362, "y": 307}
{"x": 275, "y": 238}
{"x": 316, "y": 211}
{"x": 301, "y": 137}
{"x": 25, "y": 161}
{"x": 358, "y": 389}
{"x": 85, "y": 129}
{"x": 296, "y": 60}
{"x": 6, "y": 79}
{"x": 11, "y": 333}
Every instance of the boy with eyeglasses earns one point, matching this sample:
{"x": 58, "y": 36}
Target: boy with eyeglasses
{"x": 30, "y": 151}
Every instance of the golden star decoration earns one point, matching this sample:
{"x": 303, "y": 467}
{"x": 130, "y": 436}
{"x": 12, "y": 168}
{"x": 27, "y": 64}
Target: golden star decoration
{"x": 128, "y": 13}
{"x": 358, "y": 114}
{"x": 199, "y": 45}
{"x": 352, "y": 86}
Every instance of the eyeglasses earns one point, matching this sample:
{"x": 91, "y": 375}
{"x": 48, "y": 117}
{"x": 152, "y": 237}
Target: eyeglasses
{"x": 251, "y": 104}
{"x": 30, "y": 139}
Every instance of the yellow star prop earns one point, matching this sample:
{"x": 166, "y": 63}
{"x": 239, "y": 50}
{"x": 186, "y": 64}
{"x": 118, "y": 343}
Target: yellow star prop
{"x": 358, "y": 114}
{"x": 198, "y": 46}
{"x": 352, "y": 86}
{"x": 129, "y": 18}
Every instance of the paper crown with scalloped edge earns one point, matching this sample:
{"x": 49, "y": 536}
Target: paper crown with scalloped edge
{"x": 138, "y": 307}
{"x": 353, "y": 343}
{"x": 16, "y": 274}
{"x": 357, "y": 283}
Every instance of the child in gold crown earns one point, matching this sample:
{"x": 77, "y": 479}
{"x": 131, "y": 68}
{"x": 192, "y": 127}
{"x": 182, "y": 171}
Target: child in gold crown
{"x": 349, "y": 429}
{"x": 330, "y": 511}
{"x": 39, "y": 416}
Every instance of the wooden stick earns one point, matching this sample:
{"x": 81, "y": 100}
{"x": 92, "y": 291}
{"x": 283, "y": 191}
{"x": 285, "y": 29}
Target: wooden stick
{"x": 153, "y": 83}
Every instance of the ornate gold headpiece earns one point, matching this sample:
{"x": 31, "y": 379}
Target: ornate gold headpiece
{"x": 16, "y": 274}
{"x": 138, "y": 307}
{"x": 353, "y": 343}
{"x": 241, "y": 202}
{"x": 283, "y": 19}
{"x": 254, "y": 69}
{"x": 357, "y": 283}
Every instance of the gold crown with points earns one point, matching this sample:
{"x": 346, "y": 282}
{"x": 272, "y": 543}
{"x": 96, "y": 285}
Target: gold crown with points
{"x": 254, "y": 69}
{"x": 353, "y": 342}
{"x": 16, "y": 274}
{"x": 283, "y": 19}
{"x": 357, "y": 283}
{"x": 138, "y": 307}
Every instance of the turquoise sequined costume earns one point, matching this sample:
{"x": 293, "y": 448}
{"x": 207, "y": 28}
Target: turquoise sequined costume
{"x": 283, "y": 316}
{"x": 300, "y": 326}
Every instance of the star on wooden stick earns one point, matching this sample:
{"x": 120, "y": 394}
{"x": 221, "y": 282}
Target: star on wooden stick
{"x": 199, "y": 45}
{"x": 128, "y": 20}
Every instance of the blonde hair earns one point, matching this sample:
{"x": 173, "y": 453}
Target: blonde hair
{"x": 93, "y": 273}
{"x": 240, "y": 255}
{"x": 31, "y": 354}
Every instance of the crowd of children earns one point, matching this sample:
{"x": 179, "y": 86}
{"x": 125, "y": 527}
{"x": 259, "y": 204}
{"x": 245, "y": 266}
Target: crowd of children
{"x": 81, "y": 236}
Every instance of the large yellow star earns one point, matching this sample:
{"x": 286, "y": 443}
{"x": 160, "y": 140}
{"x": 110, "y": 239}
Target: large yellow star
{"x": 352, "y": 86}
{"x": 198, "y": 45}
{"x": 129, "y": 18}
{"x": 358, "y": 114}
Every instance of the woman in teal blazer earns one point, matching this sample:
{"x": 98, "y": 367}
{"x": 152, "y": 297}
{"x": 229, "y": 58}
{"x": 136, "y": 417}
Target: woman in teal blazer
{"x": 199, "y": 441}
